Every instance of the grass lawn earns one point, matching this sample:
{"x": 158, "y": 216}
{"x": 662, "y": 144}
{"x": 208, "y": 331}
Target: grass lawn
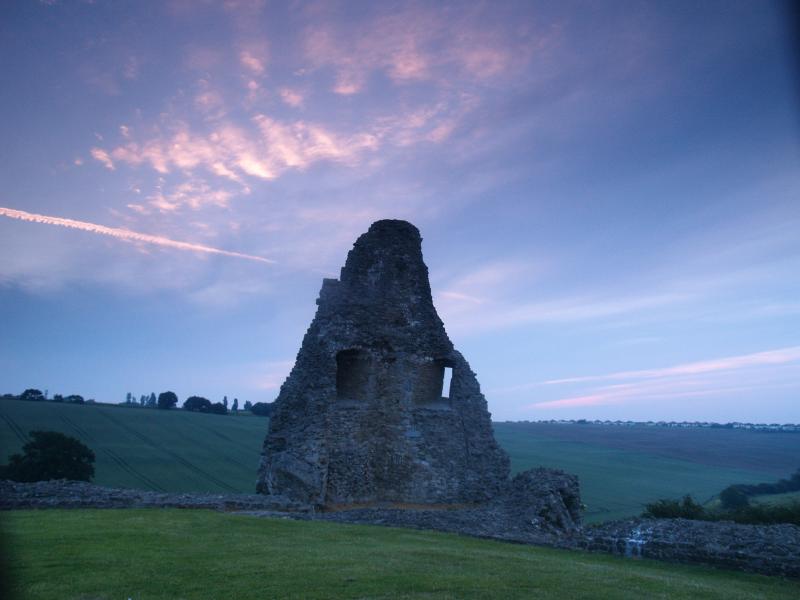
{"x": 145, "y": 554}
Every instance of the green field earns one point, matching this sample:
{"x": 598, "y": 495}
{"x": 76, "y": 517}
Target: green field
{"x": 145, "y": 554}
{"x": 617, "y": 482}
{"x": 173, "y": 451}
{"x": 620, "y": 468}
{"x": 776, "y": 499}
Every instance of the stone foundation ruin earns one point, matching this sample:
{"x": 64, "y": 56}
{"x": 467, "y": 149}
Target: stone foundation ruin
{"x": 363, "y": 417}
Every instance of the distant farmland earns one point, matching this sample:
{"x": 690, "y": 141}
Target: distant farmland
{"x": 173, "y": 451}
{"x": 623, "y": 468}
{"x": 620, "y": 468}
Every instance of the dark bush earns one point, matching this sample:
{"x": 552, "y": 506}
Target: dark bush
{"x": 50, "y": 455}
{"x": 262, "y": 409}
{"x": 733, "y": 498}
{"x": 197, "y": 404}
{"x": 218, "y": 408}
{"x": 779, "y": 487}
{"x": 675, "y": 509}
{"x": 32, "y": 394}
{"x": 765, "y": 514}
{"x": 167, "y": 400}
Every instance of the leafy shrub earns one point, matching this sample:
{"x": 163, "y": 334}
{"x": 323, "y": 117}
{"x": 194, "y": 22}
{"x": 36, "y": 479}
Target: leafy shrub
{"x": 753, "y": 514}
{"x": 218, "y": 408}
{"x": 733, "y": 498}
{"x": 197, "y": 404}
{"x": 765, "y": 514}
{"x": 262, "y": 409}
{"x": 779, "y": 487}
{"x": 32, "y": 394}
{"x": 675, "y": 509}
{"x": 50, "y": 455}
{"x": 167, "y": 400}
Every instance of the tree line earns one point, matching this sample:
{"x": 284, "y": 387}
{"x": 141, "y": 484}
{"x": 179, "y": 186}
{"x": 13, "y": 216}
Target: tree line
{"x": 165, "y": 401}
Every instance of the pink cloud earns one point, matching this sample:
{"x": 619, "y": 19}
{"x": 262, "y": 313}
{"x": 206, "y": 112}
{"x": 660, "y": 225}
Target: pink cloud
{"x": 232, "y": 152}
{"x": 661, "y": 390}
{"x": 253, "y": 63}
{"x": 414, "y": 44}
{"x": 770, "y": 357}
{"x": 102, "y": 156}
{"x": 291, "y": 97}
{"x": 193, "y": 193}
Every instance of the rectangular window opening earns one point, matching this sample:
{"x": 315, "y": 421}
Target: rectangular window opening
{"x": 448, "y": 377}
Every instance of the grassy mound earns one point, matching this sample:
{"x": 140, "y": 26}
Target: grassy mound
{"x": 199, "y": 554}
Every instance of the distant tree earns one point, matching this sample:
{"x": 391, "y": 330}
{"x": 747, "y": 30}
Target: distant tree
{"x": 248, "y": 405}
{"x": 58, "y": 398}
{"x": 74, "y": 399}
{"x": 235, "y": 406}
{"x": 733, "y": 498}
{"x": 167, "y": 400}
{"x": 32, "y": 394}
{"x": 151, "y": 401}
{"x": 225, "y": 401}
{"x": 128, "y": 398}
{"x": 218, "y": 408}
{"x": 262, "y": 409}
{"x": 197, "y": 404}
{"x": 50, "y": 455}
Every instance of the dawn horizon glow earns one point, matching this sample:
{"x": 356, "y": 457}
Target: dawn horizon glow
{"x": 609, "y": 196}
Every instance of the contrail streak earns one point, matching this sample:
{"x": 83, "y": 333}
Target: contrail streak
{"x": 124, "y": 234}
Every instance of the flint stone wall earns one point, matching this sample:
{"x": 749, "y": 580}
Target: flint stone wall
{"x": 766, "y": 549}
{"x": 61, "y": 493}
{"x": 362, "y": 417}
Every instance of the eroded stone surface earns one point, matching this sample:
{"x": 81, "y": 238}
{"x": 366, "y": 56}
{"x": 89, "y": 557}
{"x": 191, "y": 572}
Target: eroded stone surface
{"x": 363, "y": 417}
{"x": 767, "y": 549}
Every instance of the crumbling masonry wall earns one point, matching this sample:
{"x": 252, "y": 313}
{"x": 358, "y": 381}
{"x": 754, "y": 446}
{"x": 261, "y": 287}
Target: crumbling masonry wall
{"x": 361, "y": 418}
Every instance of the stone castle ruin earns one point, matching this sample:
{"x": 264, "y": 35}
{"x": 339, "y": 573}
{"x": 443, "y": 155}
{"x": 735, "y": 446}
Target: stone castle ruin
{"x": 369, "y": 421}
{"x": 379, "y": 406}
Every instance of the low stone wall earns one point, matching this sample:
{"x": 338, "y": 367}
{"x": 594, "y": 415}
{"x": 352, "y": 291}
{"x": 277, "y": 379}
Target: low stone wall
{"x": 78, "y": 494}
{"x": 767, "y": 549}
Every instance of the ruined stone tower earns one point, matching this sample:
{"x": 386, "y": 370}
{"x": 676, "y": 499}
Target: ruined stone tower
{"x": 363, "y": 417}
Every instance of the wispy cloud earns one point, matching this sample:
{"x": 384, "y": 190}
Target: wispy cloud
{"x": 233, "y": 152}
{"x": 272, "y": 374}
{"x": 413, "y": 44}
{"x": 658, "y": 391}
{"x": 252, "y": 62}
{"x": 770, "y": 357}
{"x": 102, "y": 156}
{"x": 727, "y": 375}
{"x": 124, "y": 234}
{"x": 291, "y": 97}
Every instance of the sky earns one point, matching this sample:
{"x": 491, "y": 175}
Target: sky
{"x": 608, "y": 194}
